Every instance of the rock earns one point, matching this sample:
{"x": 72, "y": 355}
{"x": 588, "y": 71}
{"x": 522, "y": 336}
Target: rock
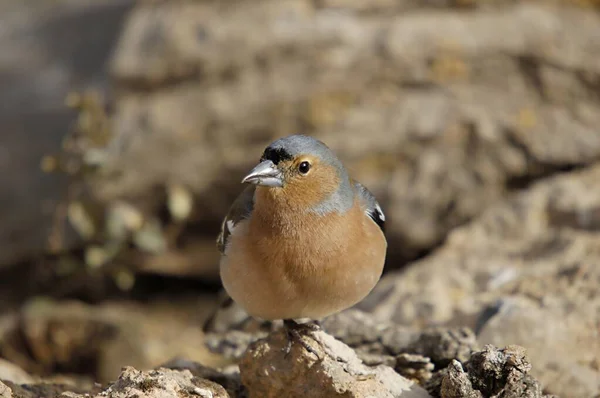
{"x": 375, "y": 342}
{"x": 362, "y": 331}
{"x": 14, "y": 381}
{"x": 370, "y": 336}
{"x": 490, "y": 372}
{"x": 444, "y": 345}
{"x": 266, "y": 371}
{"x": 39, "y": 390}
{"x": 502, "y": 372}
{"x": 5, "y": 391}
{"x": 522, "y": 273}
{"x": 162, "y": 383}
{"x": 553, "y": 347}
{"x": 371, "y": 359}
{"x": 157, "y": 383}
{"x": 329, "y": 369}
{"x": 354, "y": 327}
{"x": 72, "y": 337}
{"x": 455, "y": 383}
{"x": 357, "y": 328}
{"x": 11, "y": 372}
{"x": 228, "y": 376}
{"x": 414, "y": 367}
{"x": 441, "y": 112}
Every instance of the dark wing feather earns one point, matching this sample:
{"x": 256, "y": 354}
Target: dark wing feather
{"x": 373, "y": 209}
{"x": 239, "y": 210}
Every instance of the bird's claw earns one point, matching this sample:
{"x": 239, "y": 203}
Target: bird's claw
{"x": 295, "y": 331}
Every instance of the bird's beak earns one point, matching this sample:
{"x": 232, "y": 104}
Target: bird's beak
{"x": 265, "y": 174}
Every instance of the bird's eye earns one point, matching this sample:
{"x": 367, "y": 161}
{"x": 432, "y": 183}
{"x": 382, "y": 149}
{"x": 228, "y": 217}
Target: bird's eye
{"x": 304, "y": 167}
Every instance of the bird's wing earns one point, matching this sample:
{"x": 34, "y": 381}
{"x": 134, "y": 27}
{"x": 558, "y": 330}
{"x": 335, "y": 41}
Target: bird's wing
{"x": 373, "y": 209}
{"x": 239, "y": 210}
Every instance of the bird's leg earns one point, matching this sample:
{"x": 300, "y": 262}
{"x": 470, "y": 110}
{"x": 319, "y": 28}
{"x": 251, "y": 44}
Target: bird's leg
{"x": 312, "y": 326}
{"x": 294, "y": 331}
{"x": 307, "y": 327}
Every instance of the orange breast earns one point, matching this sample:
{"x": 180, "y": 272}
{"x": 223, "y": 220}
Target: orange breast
{"x": 303, "y": 266}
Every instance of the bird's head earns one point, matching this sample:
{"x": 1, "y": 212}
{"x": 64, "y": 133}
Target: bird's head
{"x": 303, "y": 169}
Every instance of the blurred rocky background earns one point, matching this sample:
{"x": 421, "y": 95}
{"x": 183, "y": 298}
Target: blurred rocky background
{"x": 125, "y": 128}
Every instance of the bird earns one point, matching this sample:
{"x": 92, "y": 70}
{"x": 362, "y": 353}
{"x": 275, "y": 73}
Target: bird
{"x": 303, "y": 240}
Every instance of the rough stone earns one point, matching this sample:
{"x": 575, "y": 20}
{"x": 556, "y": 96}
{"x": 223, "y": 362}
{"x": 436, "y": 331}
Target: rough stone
{"x": 502, "y": 372}
{"x": 357, "y": 328}
{"x": 11, "y": 372}
{"x": 444, "y": 345}
{"x": 491, "y": 372}
{"x": 5, "y": 391}
{"x": 162, "y": 383}
{"x": 329, "y": 369}
{"x": 71, "y": 337}
{"x": 414, "y": 367}
{"x": 182, "y": 378}
{"x": 455, "y": 383}
{"x": 267, "y": 371}
{"x": 41, "y": 389}
{"x": 523, "y": 273}
{"x": 227, "y": 376}
{"x": 375, "y": 342}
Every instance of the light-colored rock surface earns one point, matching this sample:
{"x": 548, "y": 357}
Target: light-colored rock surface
{"x": 440, "y": 111}
{"x": 5, "y": 391}
{"x": 526, "y": 272}
{"x": 332, "y": 370}
{"x": 268, "y": 373}
{"x": 11, "y": 372}
{"x": 161, "y": 383}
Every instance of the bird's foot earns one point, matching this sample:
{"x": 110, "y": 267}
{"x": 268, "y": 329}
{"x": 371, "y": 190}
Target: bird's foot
{"x": 307, "y": 327}
{"x": 295, "y": 331}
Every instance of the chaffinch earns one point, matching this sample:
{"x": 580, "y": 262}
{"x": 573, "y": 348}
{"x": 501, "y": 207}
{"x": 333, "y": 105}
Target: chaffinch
{"x": 303, "y": 240}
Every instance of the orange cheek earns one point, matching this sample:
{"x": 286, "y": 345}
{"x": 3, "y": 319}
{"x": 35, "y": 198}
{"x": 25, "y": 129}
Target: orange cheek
{"x": 313, "y": 188}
